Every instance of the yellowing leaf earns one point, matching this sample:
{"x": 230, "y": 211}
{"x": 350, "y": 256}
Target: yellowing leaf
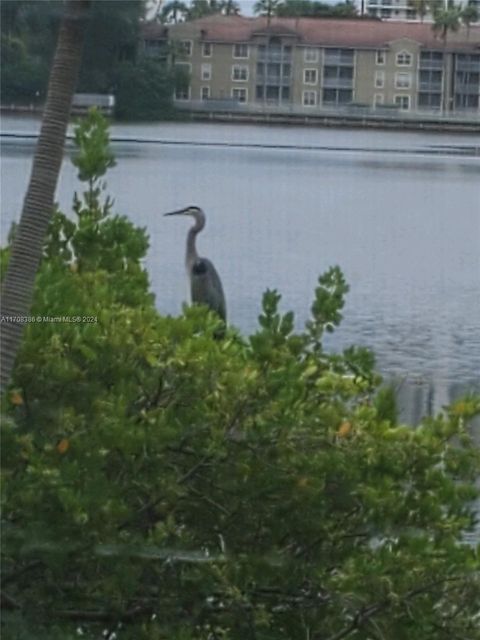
{"x": 63, "y": 446}
{"x": 302, "y": 482}
{"x": 344, "y": 429}
{"x": 16, "y": 398}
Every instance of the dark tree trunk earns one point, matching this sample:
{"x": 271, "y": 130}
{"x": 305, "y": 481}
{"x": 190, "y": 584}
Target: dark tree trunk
{"x": 17, "y": 290}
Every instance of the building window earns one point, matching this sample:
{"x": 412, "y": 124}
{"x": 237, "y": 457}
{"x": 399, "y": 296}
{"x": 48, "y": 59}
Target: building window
{"x": 431, "y": 101}
{"x": 207, "y": 50}
{"x": 182, "y": 80}
{"x": 467, "y": 101}
{"x": 240, "y": 50}
{"x": 403, "y": 80}
{"x": 378, "y": 99}
{"x": 156, "y": 48}
{"x": 430, "y": 80}
{"x": 182, "y": 92}
{"x": 402, "y": 102}
{"x": 309, "y": 76}
{"x": 186, "y": 47}
{"x": 380, "y": 57}
{"x": 310, "y": 54}
{"x": 240, "y": 94}
{"x": 309, "y": 98}
{"x": 240, "y": 72}
{"x": 337, "y": 96}
{"x": 404, "y": 59}
{"x": 379, "y": 79}
{"x": 206, "y": 71}
{"x": 431, "y": 59}
{"x": 205, "y": 93}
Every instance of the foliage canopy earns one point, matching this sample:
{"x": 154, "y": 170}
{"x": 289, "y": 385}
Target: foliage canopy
{"x": 159, "y": 483}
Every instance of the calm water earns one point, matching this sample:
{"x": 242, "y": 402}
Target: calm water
{"x": 399, "y": 212}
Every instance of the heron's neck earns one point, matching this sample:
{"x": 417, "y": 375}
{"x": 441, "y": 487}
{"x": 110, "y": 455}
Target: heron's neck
{"x": 192, "y": 254}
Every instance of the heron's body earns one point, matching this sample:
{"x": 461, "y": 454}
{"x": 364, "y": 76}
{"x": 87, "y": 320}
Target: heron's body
{"x": 205, "y": 284}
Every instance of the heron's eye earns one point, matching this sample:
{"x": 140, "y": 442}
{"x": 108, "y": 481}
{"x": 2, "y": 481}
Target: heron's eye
{"x": 199, "y": 267}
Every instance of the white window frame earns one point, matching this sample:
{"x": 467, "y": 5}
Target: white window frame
{"x": 398, "y": 59}
{"x": 379, "y": 81}
{"x": 378, "y": 98}
{"x": 240, "y": 57}
{"x": 315, "y": 72}
{"x": 380, "y": 57}
{"x": 210, "y": 49}
{"x": 310, "y": 54}
{"x": 401, "y": 97}
{"x": 242, "y": 67}
{"x": 187, "y": 46}
{"x": 403, "y": 80}
{"x": 206, "y": 71}
{"x": 202, "y": 89}
{"x": 310, "y": 93}
{"x": 242, "y": 89}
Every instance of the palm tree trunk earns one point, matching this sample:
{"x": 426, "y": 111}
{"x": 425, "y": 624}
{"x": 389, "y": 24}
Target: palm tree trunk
{"x": 17, "y": 290}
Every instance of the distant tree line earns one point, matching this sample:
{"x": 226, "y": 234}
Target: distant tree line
{"x": 111, "y": 63}
{"x": 177, "y": 11}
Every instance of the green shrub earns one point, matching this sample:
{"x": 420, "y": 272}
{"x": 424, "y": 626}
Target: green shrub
{"x": 159, "y": 483}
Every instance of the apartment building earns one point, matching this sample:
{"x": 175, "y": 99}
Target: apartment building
{"x": 402, "y": 9}
{"x": 314, "y": 64}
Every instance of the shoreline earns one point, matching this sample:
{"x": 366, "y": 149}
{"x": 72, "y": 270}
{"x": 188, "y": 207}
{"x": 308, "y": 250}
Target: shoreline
{"x": 368, "y": 121}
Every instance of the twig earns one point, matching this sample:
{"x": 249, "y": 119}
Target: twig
{"x": 16, "y": 574}
{"x": 367, "y": 612}
{"x": 104, "y": 616}
{"x": 8, "y": 602}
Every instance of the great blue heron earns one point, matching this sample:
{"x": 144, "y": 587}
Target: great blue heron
{"x": 205, "y": 284}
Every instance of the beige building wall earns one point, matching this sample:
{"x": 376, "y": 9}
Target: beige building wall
{"x": 396, "y": 71}
{"x": 365, "y": 71}
{"x": 307, "y": 59}
{"x": 387, "y": 76}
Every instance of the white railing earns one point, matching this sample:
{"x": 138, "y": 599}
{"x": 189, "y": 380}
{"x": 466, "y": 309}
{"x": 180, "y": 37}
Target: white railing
{"x": 273, "y": 79}
{"x": 338, "y": 83}
{"x": 274, "y": 56}
{"x": 430, "y": 87}
{"x": 427, "y": 65}
{"x": 466, "y": 87}
{"x": 467, "y": 65}
{"x": 332, "y": 59}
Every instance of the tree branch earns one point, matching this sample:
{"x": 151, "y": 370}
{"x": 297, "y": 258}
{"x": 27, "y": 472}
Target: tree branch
{"x": 366, "y": 613}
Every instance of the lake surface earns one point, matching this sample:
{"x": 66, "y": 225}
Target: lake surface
{"x": 398, "y": 211}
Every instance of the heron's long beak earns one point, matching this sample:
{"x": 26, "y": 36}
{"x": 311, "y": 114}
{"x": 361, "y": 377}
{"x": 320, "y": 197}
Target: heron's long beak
{"x": 175, "y": 213}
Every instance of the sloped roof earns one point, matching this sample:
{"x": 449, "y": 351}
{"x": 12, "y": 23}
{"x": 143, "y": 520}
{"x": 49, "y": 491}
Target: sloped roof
{"x": 327, "y": 32}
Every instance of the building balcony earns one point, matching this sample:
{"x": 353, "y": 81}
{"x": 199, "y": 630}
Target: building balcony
{"x": 428, "y": 65}
{"x": 430, "y": 87}
{"x": 467, "y": 65}
{"x": 274, "y": 56}
{"x": 465, "y": 87}
{"x": 337, "y": 83}
{"x": 265, "y": 78}
{"x": 338, "y": 60}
